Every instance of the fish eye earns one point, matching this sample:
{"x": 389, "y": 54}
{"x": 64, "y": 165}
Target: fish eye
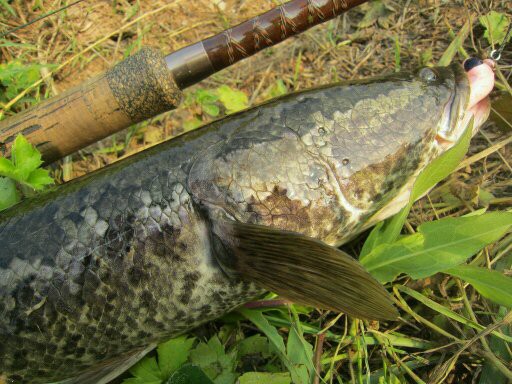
{"x": 427, "y": 75}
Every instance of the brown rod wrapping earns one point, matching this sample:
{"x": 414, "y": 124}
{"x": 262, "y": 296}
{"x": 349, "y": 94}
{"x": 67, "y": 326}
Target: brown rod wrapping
{"x": 198, "y": 61}
{"x": 135, "y": 89}
{"x": 271, "y": 28}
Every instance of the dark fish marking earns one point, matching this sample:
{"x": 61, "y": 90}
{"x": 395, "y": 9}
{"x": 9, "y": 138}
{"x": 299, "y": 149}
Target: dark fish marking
{"x": 205, "y": 310}
{"x": 189, "y": 286}
{"x": 20, "y": 360}
{"x": 278, "y": 208}
{"x": 119, "y": 236}
{"x": 147, "y": 298}
{"x": 137, "y": 275}
{"x": 184, "y": 298}
{"x": 24, "y": 293}
{"x": 180, "y": 315}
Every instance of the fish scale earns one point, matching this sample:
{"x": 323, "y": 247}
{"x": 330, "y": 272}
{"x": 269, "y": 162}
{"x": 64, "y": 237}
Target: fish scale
{"x": 119, "y": 245}
{"x": 125, "y": 257}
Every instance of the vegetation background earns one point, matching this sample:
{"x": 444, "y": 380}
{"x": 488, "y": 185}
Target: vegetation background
{"x": 449, "y": 331}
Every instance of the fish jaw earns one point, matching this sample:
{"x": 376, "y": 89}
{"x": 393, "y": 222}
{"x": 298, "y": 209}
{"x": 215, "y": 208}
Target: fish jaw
{"x": 473, "y": 106}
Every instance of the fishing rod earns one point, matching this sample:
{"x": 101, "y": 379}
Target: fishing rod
{"x": 147, "y": 83}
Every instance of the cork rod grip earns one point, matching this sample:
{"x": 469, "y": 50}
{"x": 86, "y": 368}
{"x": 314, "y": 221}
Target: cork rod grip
{"x": 135, "y": 89}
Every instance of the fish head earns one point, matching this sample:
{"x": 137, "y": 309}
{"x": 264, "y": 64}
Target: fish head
{"x": 455, "y": 98}
{"x": 331, "y": 161}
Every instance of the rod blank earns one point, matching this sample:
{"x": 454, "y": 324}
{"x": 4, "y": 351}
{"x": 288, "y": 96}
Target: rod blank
{"x": 147, "y": 84}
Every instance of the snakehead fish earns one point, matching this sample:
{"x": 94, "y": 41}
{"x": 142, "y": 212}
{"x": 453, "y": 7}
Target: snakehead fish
{"x": 97, "y": 271}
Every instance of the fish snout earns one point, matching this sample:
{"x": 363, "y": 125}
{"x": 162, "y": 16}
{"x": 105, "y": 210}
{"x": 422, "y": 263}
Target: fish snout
{"x": 481, "y": 79}
{"x": 481, "y": 83}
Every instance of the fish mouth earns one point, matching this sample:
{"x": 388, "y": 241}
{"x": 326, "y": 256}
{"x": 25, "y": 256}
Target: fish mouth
{"x": 457, "y": 115}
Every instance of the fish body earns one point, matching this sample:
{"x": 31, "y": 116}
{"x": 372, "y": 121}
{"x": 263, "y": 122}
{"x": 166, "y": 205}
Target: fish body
{"x": 104, "y": 266}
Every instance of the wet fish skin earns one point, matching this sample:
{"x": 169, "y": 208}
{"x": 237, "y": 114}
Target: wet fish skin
{"x": 105, "y": 266}
{"x": 122, "y": 258}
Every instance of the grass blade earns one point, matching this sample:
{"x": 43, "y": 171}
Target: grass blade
{"x": 455, "y": 45}
{"x": 449, "y": 313}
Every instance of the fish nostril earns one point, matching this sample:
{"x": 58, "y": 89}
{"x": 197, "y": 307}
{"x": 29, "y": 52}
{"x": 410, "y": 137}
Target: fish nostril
{"x": 471, "y": 63}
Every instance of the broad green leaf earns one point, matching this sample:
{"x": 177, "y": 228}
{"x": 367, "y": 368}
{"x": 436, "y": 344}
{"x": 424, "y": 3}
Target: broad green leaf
{"x": 376, "y": 12}
{"x": 204, "y": 96}
{"x": 173, "y": 354}
{"x": 258, "y": 319}
{"x": 215, "y": 362}
{"x": 211, "y": 109}
{"x": 234, "y": 100}
{"x": 437, "y": 246}
{"x": 8, "y": 193}
{"x": 265, "y": 377}
{"x": 189, "y": 374}
{"x": 16, "y": 76}
{"x": 207, "y": 353}
{"x": 7, "y": 169}
{"x": 38, "y": 179}
{"x": 24, "y": 166}
{"x": 25, "y": 157}
{"x": 492, "y": 285}
{"x": 192, "y": 124}
{"x": 433, "y": 173}
{"x": 443, "y": 166}
{"x": 387, "y": 261}
{"x": 147, "y": 369}
{"x": 385, "y": 232}
{"x": 269, "y": 330}
{"x": 256, "y": 344}
{"x": 455, "y": 45}
{"x": 496, "y": 24}
{"x": 300, "y": 353}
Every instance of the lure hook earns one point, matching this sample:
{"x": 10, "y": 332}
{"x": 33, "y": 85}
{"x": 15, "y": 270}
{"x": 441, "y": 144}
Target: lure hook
{"x": 496, "y": 53}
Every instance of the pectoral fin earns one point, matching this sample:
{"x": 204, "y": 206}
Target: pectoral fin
{"x": 303, "y": 270}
